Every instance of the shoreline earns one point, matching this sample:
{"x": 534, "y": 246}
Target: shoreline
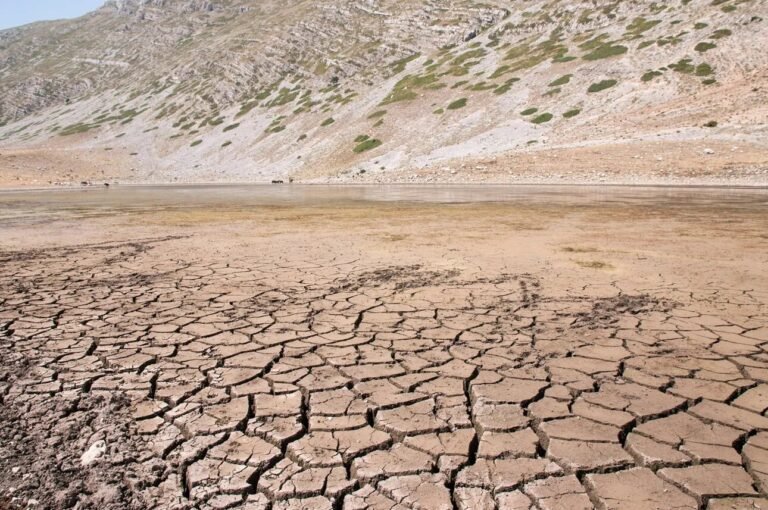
{"x": 674, "y": 184}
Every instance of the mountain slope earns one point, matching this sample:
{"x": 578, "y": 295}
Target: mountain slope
{"x": 228, "y": 90}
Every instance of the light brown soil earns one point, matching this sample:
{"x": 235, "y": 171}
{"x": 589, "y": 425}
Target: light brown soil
{"x": 59, "y": 166}
{"x": 690, "y": 162}
{"x": 594, "y": 354}
{"x": 664, "y": 162}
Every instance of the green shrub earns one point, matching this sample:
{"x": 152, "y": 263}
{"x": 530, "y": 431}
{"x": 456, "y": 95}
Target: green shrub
{"x": 501, "y": 71}
{"x": 542, "y": 118}
{"x": 226, "y": 144}
{"x": 367, "y": 145}
{"x": 505, "y": 87}
{"x": 649, "y": 75}
{"x": 459, "y": 103}
{"x": 284, "y": 97}
{"x": 705, "y": 46}
{"x": 377, "y": 114}
{"x": 404, "y": 89}
{"x": 479, "y": 87}
{"x": 605, "y": 51}
{"x": 683, "y": 66}
{"x": 571, "y": 113}
{"x": 328, "y": 122}
{"x": 704, "y": 70}
{"x": 601, "y": 85}
{"x": 361, "y": 138}
{"x": 529, "y": 111}
{"x": 231, "y": 127}
{"x": 247, "y": 107}
{"x": 465, "y": 58}
{"x": 195, "y": 143}
{"x": 640, "y": 25}
{"x": 563, "y": 80}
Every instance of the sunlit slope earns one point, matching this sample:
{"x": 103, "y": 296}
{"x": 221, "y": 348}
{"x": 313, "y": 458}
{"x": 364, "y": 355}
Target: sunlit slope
{"x": 256, "y": 90}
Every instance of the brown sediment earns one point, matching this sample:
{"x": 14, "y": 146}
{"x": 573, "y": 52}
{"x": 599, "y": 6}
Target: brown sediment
{"x": 387, "y": 356}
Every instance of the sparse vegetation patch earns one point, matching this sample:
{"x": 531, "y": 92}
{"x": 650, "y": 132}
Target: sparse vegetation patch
{"x": 367, "y": 145}
{"x": 606, "y": 51}
{"x": 563, "y": 80}
{"x": 650, "y": 75}
{"x": 601, "y": 85}
{"x": 399, "y": 66}
{"x": 705, "y": 46}
{"x": 542, "y": 118}
{"x": 459, "y": 103}
{"x": 406, "y": 89}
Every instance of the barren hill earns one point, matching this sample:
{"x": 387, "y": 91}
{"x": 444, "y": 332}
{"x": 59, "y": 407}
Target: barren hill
{"x": 384, "y": 90}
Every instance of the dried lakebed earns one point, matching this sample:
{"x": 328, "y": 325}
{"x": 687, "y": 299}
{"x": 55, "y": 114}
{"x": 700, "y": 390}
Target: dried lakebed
{"x": 384, "y": 348}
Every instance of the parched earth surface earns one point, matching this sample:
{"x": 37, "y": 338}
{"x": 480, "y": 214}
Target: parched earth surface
{"x": 369, "y": 358}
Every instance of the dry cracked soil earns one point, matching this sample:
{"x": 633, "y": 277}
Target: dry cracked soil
{"x": 596, "y": 354}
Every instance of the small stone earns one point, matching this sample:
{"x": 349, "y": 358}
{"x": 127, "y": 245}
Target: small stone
{"x": 94, "y": 453}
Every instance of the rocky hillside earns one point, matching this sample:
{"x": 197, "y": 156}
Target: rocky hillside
{"x": 382, "y": 90}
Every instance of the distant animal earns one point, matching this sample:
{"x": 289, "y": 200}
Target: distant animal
{"x": 277, "y": 182}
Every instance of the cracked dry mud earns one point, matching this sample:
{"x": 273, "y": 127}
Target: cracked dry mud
{"x": 314, "y": 360}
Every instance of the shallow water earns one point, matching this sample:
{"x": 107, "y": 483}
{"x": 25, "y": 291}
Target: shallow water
{"x": 45, "y": 205}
